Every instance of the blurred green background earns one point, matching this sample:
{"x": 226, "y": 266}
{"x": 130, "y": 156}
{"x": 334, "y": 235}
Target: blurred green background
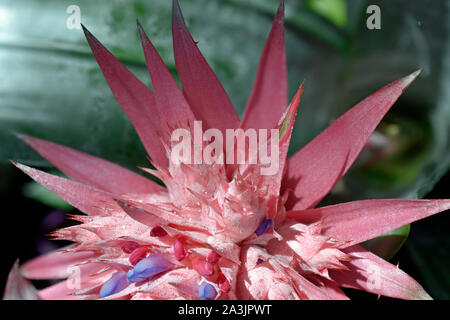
{"x": 51, "y": 87}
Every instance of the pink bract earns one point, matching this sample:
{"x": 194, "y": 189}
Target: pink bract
{"x": 195, "y": 236}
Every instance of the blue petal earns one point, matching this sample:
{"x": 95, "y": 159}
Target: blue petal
{"x": 148, "y": 268}
{"x": 116, "y": 283}
{"x": 207, "y": 291}
{"x": 266, "y": 224}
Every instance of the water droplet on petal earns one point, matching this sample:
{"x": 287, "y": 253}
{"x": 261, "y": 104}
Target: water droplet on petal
{"x": 158, "y": 231}
{"x": 129, "y": 246}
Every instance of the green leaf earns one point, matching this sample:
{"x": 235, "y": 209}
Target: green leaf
{"x": 388, "y": 244}
{"x": 333, "y": 10}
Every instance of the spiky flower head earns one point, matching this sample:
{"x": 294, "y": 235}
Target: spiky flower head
{"x": 218, "y": 230}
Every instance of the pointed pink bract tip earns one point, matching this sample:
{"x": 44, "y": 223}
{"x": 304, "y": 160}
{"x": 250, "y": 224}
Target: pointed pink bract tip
{"x": 296, "y": 99}
{"x": 26, "y": 138}
{"x": 176, "y": 10}
{"x": 86, "y": 32}
{"x": 140, "y": 28}
{"x": 22, "y": 167}
{"x": 280, "y": 12}
{"x": 20, "y": 135}
{"x": 423, "y": 295}
{"x": 406, "y": 81}
{"x": 18, "y": 287}
{"x": 177, "y": 15}
{"x": 92, "y": 40}
{"x": 300, "y": 90}
{"x": 444, "y": 205}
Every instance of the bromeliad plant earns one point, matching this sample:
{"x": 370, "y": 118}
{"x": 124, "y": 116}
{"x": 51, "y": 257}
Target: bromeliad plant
{"x": 218, "y": 231}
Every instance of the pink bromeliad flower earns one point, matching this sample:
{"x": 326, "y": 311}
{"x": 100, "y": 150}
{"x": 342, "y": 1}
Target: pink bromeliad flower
{"x": 218, "y": 231}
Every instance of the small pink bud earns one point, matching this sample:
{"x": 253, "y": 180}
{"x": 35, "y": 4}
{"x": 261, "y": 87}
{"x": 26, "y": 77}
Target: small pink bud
{"x": 203, "y": 267}
{"x": 129, "y": 246}
{"x": 137, "y": 255}
{"x": 158, "y": 231}
{"x": 178, "y": 250}
{"x": 213, "y": 257}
